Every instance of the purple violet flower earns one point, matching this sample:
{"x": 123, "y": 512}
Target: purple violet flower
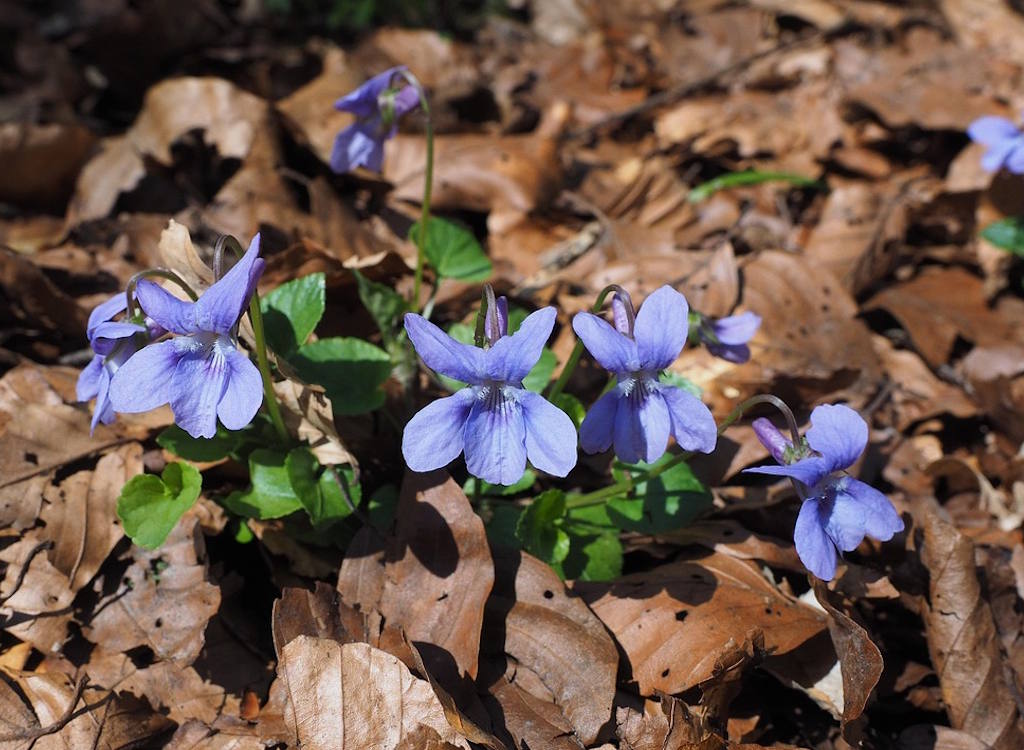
{"x": 838, "y": 511}
{"x": 377, "y": 108}
{"x": 640, "y": 412}
{"x": 200, "y": 373}
{"x": 727, "y": 338}
{"x": 1005, "y": 143}
{"x": 494, "y": 420}
{"x": 114, "y": 343}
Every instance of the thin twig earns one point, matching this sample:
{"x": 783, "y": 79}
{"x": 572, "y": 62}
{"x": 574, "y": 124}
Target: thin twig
{"x": 24, "y": 569}
{"x": 34, "y": 733}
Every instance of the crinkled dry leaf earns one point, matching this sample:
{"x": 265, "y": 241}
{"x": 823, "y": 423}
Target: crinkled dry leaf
{"x": 552, "y": 633}
{"x": 675, "y": 621}
{"x": 35, "y": 597}
{"x": 354, "y": 695}
{"x": 176, "y": 251}
{"x": 309, "y": 415}
{"x": 41, "y": 162}
{"x": 162, "y": 601}
{"x": 437, "y": 576}
{"x": 996, "y": 375}
{"x": 962, "y": 639}
{"x": 30, "y": 299}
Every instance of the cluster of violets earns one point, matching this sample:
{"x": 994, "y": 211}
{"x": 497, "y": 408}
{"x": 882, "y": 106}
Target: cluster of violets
{"x": 199, "y": 371}
{"x": 186, "y": 355}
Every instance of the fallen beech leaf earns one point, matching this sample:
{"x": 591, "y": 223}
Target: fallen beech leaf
{"x": 41, "y": 162}
{"x": 31, "y": 299}
{"x": 437, "y": 575}
{"x": 196, "y": 735}
{"x": 176, "y": 251}
{"x": 996, "y": 373}
{"x": 554, "y": 634}
{"x": 319, "y": 613}
{"x": 673, "y": 622}
{"x": 859, "y": 659}
{"x": 81, "y": 514}
{"x": 962, "y": 639}
{"x": 353, "y": 695}
{"x": 308, "y": 414}
{"x": 35, "y": 597}
{"x": 531, "y": 721}
{"x": 940, "y": 304}
{"x": 162, "y": 601}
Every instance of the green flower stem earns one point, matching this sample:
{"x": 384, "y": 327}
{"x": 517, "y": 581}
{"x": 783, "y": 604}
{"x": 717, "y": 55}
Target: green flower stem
{"x": 256, "y": 317}
{"x": 428, "y": 185}
{"x": 163, "y": 273}
{"x": 597, "y": 497}
{"x": 577, "y": 350}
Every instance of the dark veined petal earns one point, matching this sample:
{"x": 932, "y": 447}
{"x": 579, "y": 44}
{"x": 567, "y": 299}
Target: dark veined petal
{"x": 512, "y": 357}
{"x": 598, "y": 427}
{"x": 838, "y": 433}
{"x": 358, "y": 145}
{"x": 614, "y": 351}
{"x": 443, "y": 354}
{"x": 813, "y": 545}
{"x": 197, "y": 387}
{"x": 992, "y": 130}
{"x": 496, "y": 321}
{"x": 661, "y": 328}
{"x": 642, "y": 426}
{"x": 164, "y": 308}
{"x": 363, "y": 101}
{"x": 808, "y": 471}
{"x": 550, "y": 435}
{"x": 105, "y": 311}
{"x": 144, "y": 381}
{"x": 243, "y": 393}
{"x": 220, "y": 306}
{"x": 693, "y": 426}
{"x": 433, "y": 438}
{"x": 88, "y": 384}
{"x": 496, "y": 437}
{"x": 880, "y": 519}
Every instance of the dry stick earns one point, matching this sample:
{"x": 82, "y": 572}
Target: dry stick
{"x": 32, "y": 734}
{"x": 24, "y": 569}
{"x": 683, "y": 90}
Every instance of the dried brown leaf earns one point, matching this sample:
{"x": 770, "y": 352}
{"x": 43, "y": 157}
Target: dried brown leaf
{"x": 36, "y": 597}
{"x": 354, "y": 695}
{"x": 962, "y": 639}
{"x": 554, "y": 634}
{"x": 674, "y": 622}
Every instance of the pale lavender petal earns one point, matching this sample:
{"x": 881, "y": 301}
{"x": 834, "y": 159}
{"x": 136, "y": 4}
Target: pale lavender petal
{"x": 992, "y": 130}
{"x": 550, "y": 435}
{"x": 220, "y": 306}
{"x": 363, "y": 102}
{"x": 642, "y": 427}
{"x": 196, "y": 389}
{"x": 813, "y": 545}
{"x": 622, "y": 313}
{"x": 693, "y": 426}
{"x": 809, "y": 471}
{"x": 443, "y": 354}
{"x": 496, "y": 439}
{"x": 736, "y": 329}
{"x": 844, "y": 519}
{"x": 168, "y": 311}
{"x": 406, "y": 100}
{"x": 881, "y": 521}
{"x": 434, "y": 436}
{"x": 1015, "y": 161}
{"x": 89, "y": 380}
{"x": 358, "y": 145}
{"x": 512, "y": 357}
{"x": 838, "y": 433}
{"x": 104, "y": 411}
{"x": 612, "y": 350}
{"x": 243, "y": 393}
{"x": 144, "y": 381}
{"x": 106, "y": 311}
{"x": 108, "y": 336}
{"x": 598, "y": 427}
{"x": 661, "y": 328}
{"x": 997, "y": 155}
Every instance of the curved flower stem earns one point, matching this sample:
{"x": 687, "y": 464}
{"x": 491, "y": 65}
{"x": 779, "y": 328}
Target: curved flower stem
{"x": 577, "y": 350}
{"x": 599, "y": 496}
{"x": 256, "y": 318}
{"x": 428, "y": 184}
{"x": 163, "y": 273}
